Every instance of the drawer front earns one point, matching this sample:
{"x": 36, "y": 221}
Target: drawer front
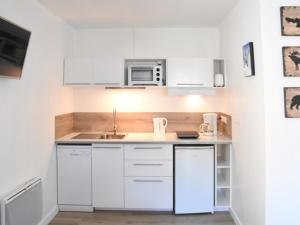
{"x": 148, "y": 168}
{"x": 149, "y": 193}
{"x": 148, "y": 152}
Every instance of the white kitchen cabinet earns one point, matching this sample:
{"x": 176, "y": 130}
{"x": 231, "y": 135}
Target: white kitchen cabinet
{"x": 190, "y": 72}
{"x": 108, "y": 71}
{"x": 98, "y": 71}
{"x": 74, "y": 177}
{"x": 78, "y": 71}
{"x": 148, "y": 152}
{"x": 146, "y": 168}
{"x": 149, "y": 193}
{"x": 149, "y": 177}
{"x": 108, "y": 176}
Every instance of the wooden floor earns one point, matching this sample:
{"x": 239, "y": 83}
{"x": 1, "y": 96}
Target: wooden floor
{"x": 139, "y": 218}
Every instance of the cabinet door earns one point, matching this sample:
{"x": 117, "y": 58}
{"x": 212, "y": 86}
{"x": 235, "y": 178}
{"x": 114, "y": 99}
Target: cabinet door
{"x": 189, "y": 72}
{"x": 108, "y": 184}
{"x": 78, "y": 71}
{"x": 149, "y": 193}
{"x": 108, "y": 71}
{"x": 74, "y": 175}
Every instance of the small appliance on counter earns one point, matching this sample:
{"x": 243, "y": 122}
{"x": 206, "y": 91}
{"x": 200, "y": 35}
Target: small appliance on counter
{"x": 160, "y": 125}
{"x": 187, "y": 134}
{"x": 209, "y": 127}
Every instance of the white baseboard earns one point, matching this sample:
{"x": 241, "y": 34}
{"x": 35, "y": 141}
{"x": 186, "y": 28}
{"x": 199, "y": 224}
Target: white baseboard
{"x": 235, "y": 217}
{"x": 50, "y": 216}
{"x": 75, "y": 208}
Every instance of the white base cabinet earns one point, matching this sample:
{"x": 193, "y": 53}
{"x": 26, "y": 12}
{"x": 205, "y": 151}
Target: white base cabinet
{"x": 133, "y": 177}
{"x": 149, "y": 177}
{"x": 108, "y": 176}
{"x": 74, "y": 177}
{"x": 149, "y": 193}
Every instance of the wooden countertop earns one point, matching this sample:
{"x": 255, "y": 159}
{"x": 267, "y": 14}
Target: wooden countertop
{"x": 169, "y": 138}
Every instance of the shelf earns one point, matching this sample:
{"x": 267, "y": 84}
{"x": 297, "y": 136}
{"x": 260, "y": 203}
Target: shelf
{"x": 223, "y": 156}
{"x": 223, "y": 177}
{"x": 221, "y": 208}
{"x": 223, "y": 197}
{"x": 223, "y": 165}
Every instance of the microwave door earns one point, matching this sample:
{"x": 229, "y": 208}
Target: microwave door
{"x": 142, "y": 75}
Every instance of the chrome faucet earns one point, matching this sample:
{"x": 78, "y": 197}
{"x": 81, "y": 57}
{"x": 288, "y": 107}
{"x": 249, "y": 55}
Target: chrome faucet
{"x": 114, "y": 121}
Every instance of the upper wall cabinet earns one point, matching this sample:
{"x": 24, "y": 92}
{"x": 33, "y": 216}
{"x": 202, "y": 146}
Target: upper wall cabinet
{"x": 109, "y": 71}
{"x": 98, "y": 71}
{"x": 78, "y": 71}
{"x": 190, "y": 72}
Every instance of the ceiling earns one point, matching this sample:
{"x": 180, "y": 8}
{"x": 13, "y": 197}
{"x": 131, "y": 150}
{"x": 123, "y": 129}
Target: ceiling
{"x": 140, "y": 13}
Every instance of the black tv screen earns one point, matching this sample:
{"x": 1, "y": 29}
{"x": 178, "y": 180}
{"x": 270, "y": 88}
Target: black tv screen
{"x": 13, "y": 47}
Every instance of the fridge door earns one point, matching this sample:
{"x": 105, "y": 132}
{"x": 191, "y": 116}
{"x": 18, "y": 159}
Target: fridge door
{"x": 194, "y": 179}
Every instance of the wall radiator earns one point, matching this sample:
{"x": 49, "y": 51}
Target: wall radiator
{"x": 24, "y": 205}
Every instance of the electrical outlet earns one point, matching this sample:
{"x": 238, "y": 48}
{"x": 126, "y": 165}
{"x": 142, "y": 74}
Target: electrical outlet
{"x": 224, "y": 119}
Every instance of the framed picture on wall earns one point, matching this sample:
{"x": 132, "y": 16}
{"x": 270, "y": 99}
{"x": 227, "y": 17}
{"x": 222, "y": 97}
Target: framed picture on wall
{"x": 290, "y": 20}
{"x": 291, "y": 61}
{"x": 248, "y": 60}
{"x": 292, "y": 102}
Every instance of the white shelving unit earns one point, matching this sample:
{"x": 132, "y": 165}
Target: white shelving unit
{"x": 223, "y": 177}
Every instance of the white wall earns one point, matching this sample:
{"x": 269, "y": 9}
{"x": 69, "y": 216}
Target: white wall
{"x": 97, "y": 99}
{"x": 282, "y": 159}
{"x": 246, "y": 105}
{"x": 144, "y": 43}
{"x": 28, "y": 106}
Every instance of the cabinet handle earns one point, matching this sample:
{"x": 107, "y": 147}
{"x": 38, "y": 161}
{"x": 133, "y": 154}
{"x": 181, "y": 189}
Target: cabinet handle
{"x": 107, "y": 83}
{"x": 147, "y": 181}
{"x": 190, "y": 84}
{"x": 106, "y": 147}
{"x": 196, "y": 148}
{"x": 146, "y": 148}
{"x": 148, "y": 164}
{"x": 74, "y": 154}
{"x": 77, "y": 84}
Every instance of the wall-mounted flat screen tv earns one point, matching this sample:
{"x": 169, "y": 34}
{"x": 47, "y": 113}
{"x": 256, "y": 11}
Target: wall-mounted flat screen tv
{"x": 13, "y": 47}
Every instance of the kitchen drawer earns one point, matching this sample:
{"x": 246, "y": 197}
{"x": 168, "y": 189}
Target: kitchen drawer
{"x": 148, "y": 193}
{"x": 148, "y": 168}
{"x": 148, "y": 152}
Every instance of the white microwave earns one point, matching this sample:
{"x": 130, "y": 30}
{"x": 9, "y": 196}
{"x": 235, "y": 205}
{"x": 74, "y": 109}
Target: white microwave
{"x": 151, "y": 75}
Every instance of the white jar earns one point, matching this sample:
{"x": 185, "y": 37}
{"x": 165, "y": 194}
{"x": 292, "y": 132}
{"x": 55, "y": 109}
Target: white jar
{"x": 219, "y": 80}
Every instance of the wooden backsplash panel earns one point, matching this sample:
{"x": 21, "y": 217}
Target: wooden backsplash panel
{"x": 132, "y": 122}
{"x": 64, "y": 124}
{"x": 142, "y": 121}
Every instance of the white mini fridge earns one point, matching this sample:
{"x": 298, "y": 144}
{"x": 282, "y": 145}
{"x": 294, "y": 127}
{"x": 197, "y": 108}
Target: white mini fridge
{"x": 194, "y": 179}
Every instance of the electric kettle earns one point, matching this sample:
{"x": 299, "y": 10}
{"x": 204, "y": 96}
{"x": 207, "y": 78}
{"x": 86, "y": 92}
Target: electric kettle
{"x": 160, "y": 125}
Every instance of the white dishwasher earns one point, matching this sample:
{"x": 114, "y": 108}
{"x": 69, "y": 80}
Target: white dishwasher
{"x": 74, "y": 177}
{"x": 194, "y": 179}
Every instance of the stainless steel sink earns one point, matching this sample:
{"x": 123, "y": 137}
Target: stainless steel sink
{"x": 115, "y": 136}
{"x": 99, "y": 136}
